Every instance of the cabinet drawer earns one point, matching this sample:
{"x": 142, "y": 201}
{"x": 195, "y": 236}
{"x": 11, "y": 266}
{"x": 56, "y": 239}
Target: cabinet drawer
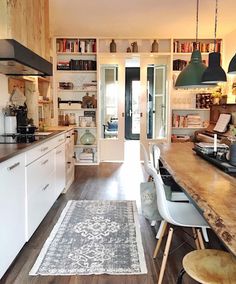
{"x": 38, "y": 171}
{"x": 38, "y": 151}
{"x": 38, "y": 203}
{"x": 59, "y": 140}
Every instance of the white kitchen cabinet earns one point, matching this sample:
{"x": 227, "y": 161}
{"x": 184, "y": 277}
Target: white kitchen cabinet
{"x": 70, "y": 160}
{"x": 45, "y": 180}
{"x": 12, "y": 210}
{"x": 60, "y": 167}
{"x": 40, "y": 185}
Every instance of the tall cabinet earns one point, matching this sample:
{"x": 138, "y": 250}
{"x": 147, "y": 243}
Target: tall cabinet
{"x": 75, "y": 85}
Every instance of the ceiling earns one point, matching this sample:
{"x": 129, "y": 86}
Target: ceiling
{"x": 140, "y": 18}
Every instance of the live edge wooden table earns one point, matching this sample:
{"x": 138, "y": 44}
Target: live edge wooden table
{"x": 212, "y": 190}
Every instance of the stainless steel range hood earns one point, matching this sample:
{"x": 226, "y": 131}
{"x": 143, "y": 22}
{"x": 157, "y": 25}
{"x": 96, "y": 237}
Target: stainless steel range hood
{"x": 17, "y": 60}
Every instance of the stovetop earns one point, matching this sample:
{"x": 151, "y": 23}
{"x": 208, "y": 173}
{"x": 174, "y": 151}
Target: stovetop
{"x": 19, "y": 138}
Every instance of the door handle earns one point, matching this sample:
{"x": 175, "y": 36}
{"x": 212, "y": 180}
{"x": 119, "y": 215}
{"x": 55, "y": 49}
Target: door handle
{"x": 130, "y": 112}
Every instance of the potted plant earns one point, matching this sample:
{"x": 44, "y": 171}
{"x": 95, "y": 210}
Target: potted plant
{"x": 216, "y": 96}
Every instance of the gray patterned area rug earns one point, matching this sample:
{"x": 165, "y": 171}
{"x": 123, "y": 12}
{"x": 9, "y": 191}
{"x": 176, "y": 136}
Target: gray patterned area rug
{"x": 93, "y": 237}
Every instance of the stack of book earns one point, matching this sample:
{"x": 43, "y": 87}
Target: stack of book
{"x": 194, "y": 120}
{"x": 86, "y": 157}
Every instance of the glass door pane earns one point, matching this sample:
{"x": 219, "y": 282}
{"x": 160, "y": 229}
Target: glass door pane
{"x": 109, "y": 102}
{"x": 156, "y": 102}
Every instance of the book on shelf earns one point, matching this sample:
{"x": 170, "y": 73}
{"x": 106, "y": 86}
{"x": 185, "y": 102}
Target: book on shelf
{"x": 76, "y": 45}
{"x": 188, "y": 46}
{"x": 189, "y": 120}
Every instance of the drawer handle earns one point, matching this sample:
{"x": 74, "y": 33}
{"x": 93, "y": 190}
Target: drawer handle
{"x": 44, "y": 149}
{"x": 43, "y": 163}
{"x": 13, "y": 166}
{"x": 73, "y": 133}
{"x": 58, "y": 152}
{"x": 67, "y": 136}
{"x": 45, "y": 187}
{"x": 68, "y": 163}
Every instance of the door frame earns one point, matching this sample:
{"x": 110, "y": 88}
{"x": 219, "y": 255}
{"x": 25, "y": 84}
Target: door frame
{"x": 112, "y": 150}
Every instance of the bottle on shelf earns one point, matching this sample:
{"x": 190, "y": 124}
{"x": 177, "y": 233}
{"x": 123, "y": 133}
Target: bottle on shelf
{"x": 155, "y": 46}
{"x": 112, "y": 46}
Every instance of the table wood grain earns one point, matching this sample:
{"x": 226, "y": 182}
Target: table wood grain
{"x": 212, "y": 190}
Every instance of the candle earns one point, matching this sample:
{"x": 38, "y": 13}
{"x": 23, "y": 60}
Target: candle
{"x": 215, "y": 143}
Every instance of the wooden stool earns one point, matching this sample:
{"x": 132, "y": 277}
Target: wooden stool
{"x": 209, "y": 266}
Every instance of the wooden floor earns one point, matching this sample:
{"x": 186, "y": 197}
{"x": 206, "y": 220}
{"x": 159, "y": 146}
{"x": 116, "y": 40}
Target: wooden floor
{"x": 110, "y": 181}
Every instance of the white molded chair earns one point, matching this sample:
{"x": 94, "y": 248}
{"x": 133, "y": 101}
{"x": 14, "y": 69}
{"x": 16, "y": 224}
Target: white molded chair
{"x": 155, "y": 153}
{"x": 175, "y": 196}
{"x": 181, "y": 214}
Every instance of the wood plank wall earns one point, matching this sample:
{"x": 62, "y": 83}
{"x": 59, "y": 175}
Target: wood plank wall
{"x": 26, "y": 21}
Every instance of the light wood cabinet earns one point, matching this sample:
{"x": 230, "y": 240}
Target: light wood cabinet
{"x": 12, "y": 210}
{"x": 28, "y": 23}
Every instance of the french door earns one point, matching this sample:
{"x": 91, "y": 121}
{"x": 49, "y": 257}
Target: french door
{"x": 111, "y": 97}
{"x": 143, "y": 114}
{"x": 154, "y": 78}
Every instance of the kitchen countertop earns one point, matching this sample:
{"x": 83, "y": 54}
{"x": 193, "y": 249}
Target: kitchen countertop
{"x": 212, "y": 190}
{"x": 8, "y": 151}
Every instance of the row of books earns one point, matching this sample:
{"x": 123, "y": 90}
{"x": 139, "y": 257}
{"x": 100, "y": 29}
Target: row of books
{"x": 77, "y": 65}
{"x": 190, "y": 120}
{"x": 202, "y": 46}
{"x": 76, "y": 45}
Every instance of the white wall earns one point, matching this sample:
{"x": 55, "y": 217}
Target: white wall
{"x": 4, "y": 98}
{"x": 229, "y": 51}
{"x": 229, "y": 48}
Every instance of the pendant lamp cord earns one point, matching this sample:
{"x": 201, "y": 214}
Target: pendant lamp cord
{"x": 197, "y": 22}
{"x": 216, "y": 12}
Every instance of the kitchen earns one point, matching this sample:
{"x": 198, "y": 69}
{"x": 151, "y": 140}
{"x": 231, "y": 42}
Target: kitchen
{"x": 53, "y": 146}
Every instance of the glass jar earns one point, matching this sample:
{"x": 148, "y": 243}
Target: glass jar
{"x": 72, "y": 118}
{"x": 87, "y": 138}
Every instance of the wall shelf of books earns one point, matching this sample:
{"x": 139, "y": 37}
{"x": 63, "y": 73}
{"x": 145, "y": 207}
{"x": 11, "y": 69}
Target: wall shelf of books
{"x": 190, "y": 112}
{"x": 182, "y": 49}
{"x": 76, "y": 91}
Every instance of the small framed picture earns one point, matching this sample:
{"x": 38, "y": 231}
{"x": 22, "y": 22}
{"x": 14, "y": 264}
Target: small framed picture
{"x": 86, "y": 121}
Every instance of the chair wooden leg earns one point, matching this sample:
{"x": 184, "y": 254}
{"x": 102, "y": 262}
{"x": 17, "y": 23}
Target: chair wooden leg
{"x": 200, "y": 239}
{"x": 196, "y": 240}
{"x": 160, "y": 239}
{"x": 165, "y": 256}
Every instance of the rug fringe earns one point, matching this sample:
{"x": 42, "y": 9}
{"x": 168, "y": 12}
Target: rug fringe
{"x": 40, "y": 258}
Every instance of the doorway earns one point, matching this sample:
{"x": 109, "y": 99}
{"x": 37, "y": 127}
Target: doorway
{"x": 132, "y": 103}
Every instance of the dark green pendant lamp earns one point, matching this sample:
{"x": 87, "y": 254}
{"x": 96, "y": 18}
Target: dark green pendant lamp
{"x": 214, "y": 72}
{"x": 232, "y": 66}
{"x": 191, "y": 75}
